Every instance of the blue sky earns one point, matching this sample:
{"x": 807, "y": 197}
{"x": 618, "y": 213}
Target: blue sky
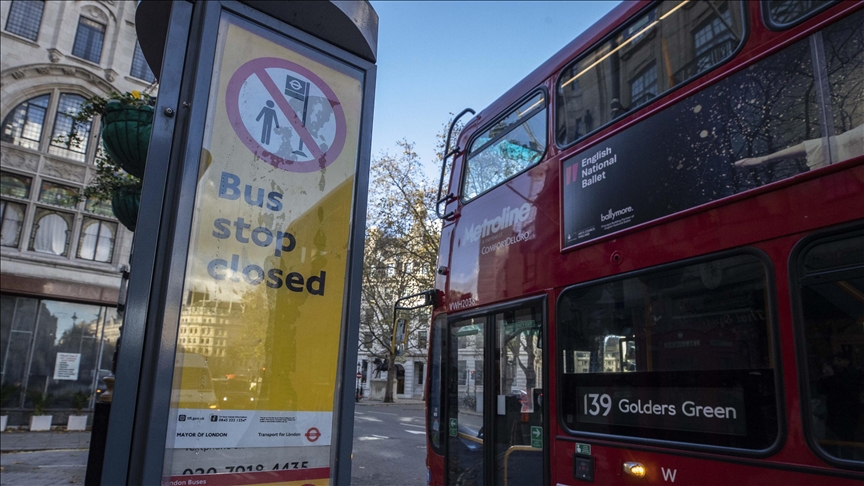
{"x": 436, "y": 58}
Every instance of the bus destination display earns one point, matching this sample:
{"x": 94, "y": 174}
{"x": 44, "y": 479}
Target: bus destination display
{"x": 707, "y": 410}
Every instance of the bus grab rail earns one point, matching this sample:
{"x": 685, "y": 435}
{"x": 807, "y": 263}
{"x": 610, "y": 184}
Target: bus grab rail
{"x": 516, "y": 448}
{"x": 447, "y": 154}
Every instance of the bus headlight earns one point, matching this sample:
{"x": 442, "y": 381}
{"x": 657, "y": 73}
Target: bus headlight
{"x": 634, "y": 469}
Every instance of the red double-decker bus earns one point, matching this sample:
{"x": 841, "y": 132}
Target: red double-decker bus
{"x": 652, "y": 257}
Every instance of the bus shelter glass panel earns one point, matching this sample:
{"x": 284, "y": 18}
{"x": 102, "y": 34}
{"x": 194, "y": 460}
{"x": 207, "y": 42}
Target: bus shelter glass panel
{"x": 832, "y": 305}
{"x": 465, "y": 448}
{"x": 519, "y": 397}
{"x": 257, "y": 343}
{"x": 681, "y": 354}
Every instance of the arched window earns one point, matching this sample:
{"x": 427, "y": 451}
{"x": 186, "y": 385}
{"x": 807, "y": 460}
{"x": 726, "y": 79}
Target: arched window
{"x": 11, "y": 219}
{"x": 23, "y": 125}
{"x": 97, "y": 240}
{"x": 51, "y": 232}
{"x": 69, "y": 138}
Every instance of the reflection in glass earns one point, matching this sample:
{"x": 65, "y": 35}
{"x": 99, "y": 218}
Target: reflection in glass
{"x": 102, "y": 208}
{"x": 435, "y": 419}
{"x": 702, "y": 326}
{"x": 23, "y": 125}
{"x": 69, "y": 138}
{"x": 465, "y": 396}
{"x": 58, "y": 194}
{"x": 25, "y": 18}
{"x": 710, "y": 316}
{"x": 507, "y": 148}
{"x": 755, "y": 127}
{"x": 786, "y": 12}
{"x": 519, "y": 394}
{"x": 832, "y": 303}
{"x": 17, "y": 317}
{"x": 140, "y": 69}
{"x": 839, "y": 136}
{"x": 224, "y": 349}
{"x": 15, "y": 185}
{"x": 34, "y": 331}
{"x": 664, "y": 48}
{"x": 88, "y": 40}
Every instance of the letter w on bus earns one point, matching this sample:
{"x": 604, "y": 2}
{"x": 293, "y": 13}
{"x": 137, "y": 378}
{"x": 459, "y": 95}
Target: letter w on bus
{"x": 669, "y": 474}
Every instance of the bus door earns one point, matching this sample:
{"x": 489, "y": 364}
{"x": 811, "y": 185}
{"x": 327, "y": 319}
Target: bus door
{"x": 495, "y": 405}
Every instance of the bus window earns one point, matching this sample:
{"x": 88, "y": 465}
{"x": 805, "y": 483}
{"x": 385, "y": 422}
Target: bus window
{"x": 733, "y": 136}
{"x": 433, "y": 422}
{"x": 665, "y": 47}
{"x": 680, "y": 354}
{"x": 518, "y": 388}
{"x": 782, "y": 14}
{"x": 832, "y": 310}
{"x": 508, "y": 147}
{"x": 465, "y": 402}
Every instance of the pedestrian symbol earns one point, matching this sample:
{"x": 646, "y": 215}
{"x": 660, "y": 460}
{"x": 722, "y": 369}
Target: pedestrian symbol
{"x": 299, "y": 128}
{"x": 269, "y": 115}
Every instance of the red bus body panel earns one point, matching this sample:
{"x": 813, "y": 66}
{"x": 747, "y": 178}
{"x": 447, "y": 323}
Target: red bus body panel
{"x": 773, "y": 219}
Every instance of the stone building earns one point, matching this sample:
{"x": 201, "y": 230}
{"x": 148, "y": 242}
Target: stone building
{"x": 62, "y": 256}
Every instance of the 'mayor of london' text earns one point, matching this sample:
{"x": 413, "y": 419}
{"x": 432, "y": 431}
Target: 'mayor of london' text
{"x": 508, "y": 218}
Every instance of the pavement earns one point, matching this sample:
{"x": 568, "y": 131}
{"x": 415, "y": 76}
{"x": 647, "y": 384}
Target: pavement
{"x": 400, "y": 402}
{"x": 43, "y": 458}
{"x": 389, "y": 449}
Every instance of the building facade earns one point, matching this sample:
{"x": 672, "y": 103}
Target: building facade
{"x": 61, "y": 256}
{"x": 410, "y": 371}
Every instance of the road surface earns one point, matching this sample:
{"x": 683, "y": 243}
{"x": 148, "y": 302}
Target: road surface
{"x": 389, "y": 446}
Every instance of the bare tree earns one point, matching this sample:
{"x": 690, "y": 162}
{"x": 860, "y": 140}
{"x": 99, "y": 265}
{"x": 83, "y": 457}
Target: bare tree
{"x": 400, "y": 255}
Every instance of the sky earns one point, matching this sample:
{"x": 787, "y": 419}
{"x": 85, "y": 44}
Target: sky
{"x": 436, "y": 58}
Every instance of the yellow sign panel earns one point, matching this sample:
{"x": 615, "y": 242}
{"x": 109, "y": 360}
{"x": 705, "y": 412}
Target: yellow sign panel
{"x": 258, "y": 341}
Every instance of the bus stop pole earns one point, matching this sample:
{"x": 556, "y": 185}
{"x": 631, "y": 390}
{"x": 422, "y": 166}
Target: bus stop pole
{"x": 136, "y": 439}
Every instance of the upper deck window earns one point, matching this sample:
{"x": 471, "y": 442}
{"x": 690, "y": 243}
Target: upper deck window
{"x": 785, "y": 13}
{"x": 511, "y": 145}
{"x": 799, "y": 109}
{"x": 663, "y": 48}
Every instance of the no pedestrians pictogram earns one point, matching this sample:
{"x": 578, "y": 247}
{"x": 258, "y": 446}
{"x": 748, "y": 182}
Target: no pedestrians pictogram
{"x": 286, "y": 114}
{"x": 313, "y": 434}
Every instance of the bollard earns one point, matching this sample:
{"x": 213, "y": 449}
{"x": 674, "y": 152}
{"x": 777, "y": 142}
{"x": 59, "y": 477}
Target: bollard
{"x": 98, "y": 436}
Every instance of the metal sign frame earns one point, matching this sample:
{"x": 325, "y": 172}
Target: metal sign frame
{"x": 135, "y": 447}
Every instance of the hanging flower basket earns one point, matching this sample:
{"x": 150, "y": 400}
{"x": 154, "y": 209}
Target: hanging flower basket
{"x": 126, "y": 135}
{"x": 125, "y": 204}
